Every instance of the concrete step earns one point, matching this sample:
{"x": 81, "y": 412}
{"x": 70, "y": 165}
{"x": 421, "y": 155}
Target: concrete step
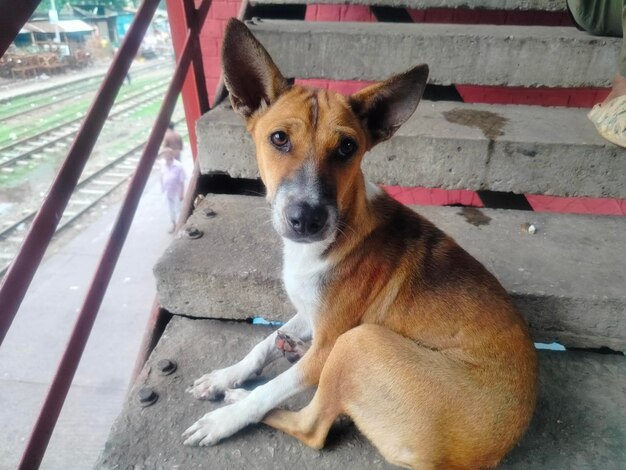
{"x": 523, "y": 149}
{"x": 580, "y": 419}
{"x": 567, "y": 279}
{"x": 457, "y": 54}
{"x": 540, "y": 5}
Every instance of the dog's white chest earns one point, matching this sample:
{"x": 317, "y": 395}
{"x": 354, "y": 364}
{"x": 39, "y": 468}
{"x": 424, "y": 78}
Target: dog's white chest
{"x": 303, "y": 271}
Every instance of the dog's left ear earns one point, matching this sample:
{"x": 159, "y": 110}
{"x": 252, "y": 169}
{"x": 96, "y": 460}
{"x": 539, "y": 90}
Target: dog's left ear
{"x": 385, "y": 106}
{"x": 250, "y": 75}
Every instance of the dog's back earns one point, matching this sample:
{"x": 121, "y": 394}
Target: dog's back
{"x": 442, "y": 368}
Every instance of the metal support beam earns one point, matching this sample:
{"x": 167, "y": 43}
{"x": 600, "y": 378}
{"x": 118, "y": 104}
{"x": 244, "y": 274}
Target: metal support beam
{"x": 194, "y": 25}
{"x": 13, "y": 15}
{"x": 184, "y": 17}
{"x": 21, "y": 272}
{"x": 59, "y": 388}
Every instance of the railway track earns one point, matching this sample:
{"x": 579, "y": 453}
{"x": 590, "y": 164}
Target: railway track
{"x": 19, "y": 151}
{"x": 88, "y": 193}
{"x": 62, "y": 93}
{"x": 58, "y": 97}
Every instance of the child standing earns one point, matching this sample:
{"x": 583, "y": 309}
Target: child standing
{"x": 173, "y": 140}
{"x": 172, "y": 184}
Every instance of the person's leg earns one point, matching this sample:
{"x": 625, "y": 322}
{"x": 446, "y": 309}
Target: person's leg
{"x": 607, "y": 18}
{"x": 171, "y": 202}
{"x": 617, "y": 26}
{"x": 604, "y": 18}
{"x": 177, "y": 204}
{"x": 598, "y": 17}
{"x": 619, "y": 83}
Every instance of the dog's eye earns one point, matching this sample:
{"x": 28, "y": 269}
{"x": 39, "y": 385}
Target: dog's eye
{"x": 280, "y": 140}
{"x": 347, "y": 147}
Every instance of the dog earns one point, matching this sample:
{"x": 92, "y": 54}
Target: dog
{"x": 411, "y": 337}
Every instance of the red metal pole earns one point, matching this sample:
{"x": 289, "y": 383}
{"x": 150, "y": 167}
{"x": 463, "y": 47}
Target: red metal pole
{"x": 180, "y": 13}
{"x": 156, "y": 324}
{"x": 194, "y": 25}
{"x": 20, "y": 274}
{"x": 51, "y": 408}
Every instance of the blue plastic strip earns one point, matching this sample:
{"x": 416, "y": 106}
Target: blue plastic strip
{"x": 551, "y": 346}
{"x": 264, "y": 322}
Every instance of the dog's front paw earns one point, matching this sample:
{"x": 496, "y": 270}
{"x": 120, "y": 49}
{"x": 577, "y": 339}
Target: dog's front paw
{"x": 212, "y": 386}
{"x": 211, "y": 428}
{"x": 234, "y": 395}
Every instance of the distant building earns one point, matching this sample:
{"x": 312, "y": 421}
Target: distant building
{"x": 110, "y": 25}
{"x": 42, "y": 31}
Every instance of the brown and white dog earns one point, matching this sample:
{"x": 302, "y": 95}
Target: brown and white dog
{"x": 411, "y": 337}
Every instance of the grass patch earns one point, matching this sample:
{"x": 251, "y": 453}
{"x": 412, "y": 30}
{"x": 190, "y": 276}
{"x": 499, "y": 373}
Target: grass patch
{"x": 69, "y": 113}
{"x": 23, "y": 103}
{"x": 152, "y": 110}
{"x": 20, "y": 174}
{"x": 109, "y": 143}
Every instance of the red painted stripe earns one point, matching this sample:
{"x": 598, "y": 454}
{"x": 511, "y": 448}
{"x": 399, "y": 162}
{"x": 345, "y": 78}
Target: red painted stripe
{"x": 496, "y": 17}
{"x": 433, "y": 196}
{"x": 540, "y": 96}
{"x": 539, "y": 203}
{"x": 577, "y": 205}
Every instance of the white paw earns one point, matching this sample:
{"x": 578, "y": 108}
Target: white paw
{"x": 213, "y": 427}
{"x": 212, "y": 386}
{"x": 234, "y": 395}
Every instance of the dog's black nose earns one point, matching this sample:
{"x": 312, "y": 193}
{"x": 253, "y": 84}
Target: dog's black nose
{"x": 306, "y": 220}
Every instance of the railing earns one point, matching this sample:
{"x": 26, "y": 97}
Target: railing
{"x": 20, "y": 274}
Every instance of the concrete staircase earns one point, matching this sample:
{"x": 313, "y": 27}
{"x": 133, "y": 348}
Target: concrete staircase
{"x": 453, "y": 145}
{"x": 477, "y": 54}
{"x": 568, "y": 278}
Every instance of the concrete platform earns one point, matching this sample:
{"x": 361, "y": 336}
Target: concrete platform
{"x": 522, "y": 149}
{"x": 580, "y": 420}
{"x": 541, "y": 5}
{"x": 34, "y": 345}
{"x": 568, "y": 279}
{"x": 474, "y": 54}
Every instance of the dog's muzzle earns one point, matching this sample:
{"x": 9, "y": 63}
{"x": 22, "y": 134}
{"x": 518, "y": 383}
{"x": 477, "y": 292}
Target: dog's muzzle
{"x": 304, "y": 209}
{"x": 306, "y": 221}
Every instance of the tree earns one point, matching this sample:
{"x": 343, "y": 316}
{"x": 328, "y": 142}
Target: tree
{"x": 115, "y": 5}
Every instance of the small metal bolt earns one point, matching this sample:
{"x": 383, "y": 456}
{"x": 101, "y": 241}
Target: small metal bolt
{"x": 166, "y": 367}
{"x": 147, "y": 396}
{"x": 193, "y": 233}
{"x": 209, "y": 213}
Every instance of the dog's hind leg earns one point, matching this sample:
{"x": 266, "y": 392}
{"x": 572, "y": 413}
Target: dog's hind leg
{"x": 310, "y": 425}
{"x": 389, "y": 389}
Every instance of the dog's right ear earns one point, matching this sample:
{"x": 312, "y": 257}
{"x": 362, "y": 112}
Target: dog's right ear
{"x": 384, "y": 106}
{"x": 250, "y": 75}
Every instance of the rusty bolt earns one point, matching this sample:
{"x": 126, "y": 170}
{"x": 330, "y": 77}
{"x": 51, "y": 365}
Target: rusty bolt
{"x": 166, "y": 367}
{"x": 193, "y": 233}
{"x": 147, "y": 396}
